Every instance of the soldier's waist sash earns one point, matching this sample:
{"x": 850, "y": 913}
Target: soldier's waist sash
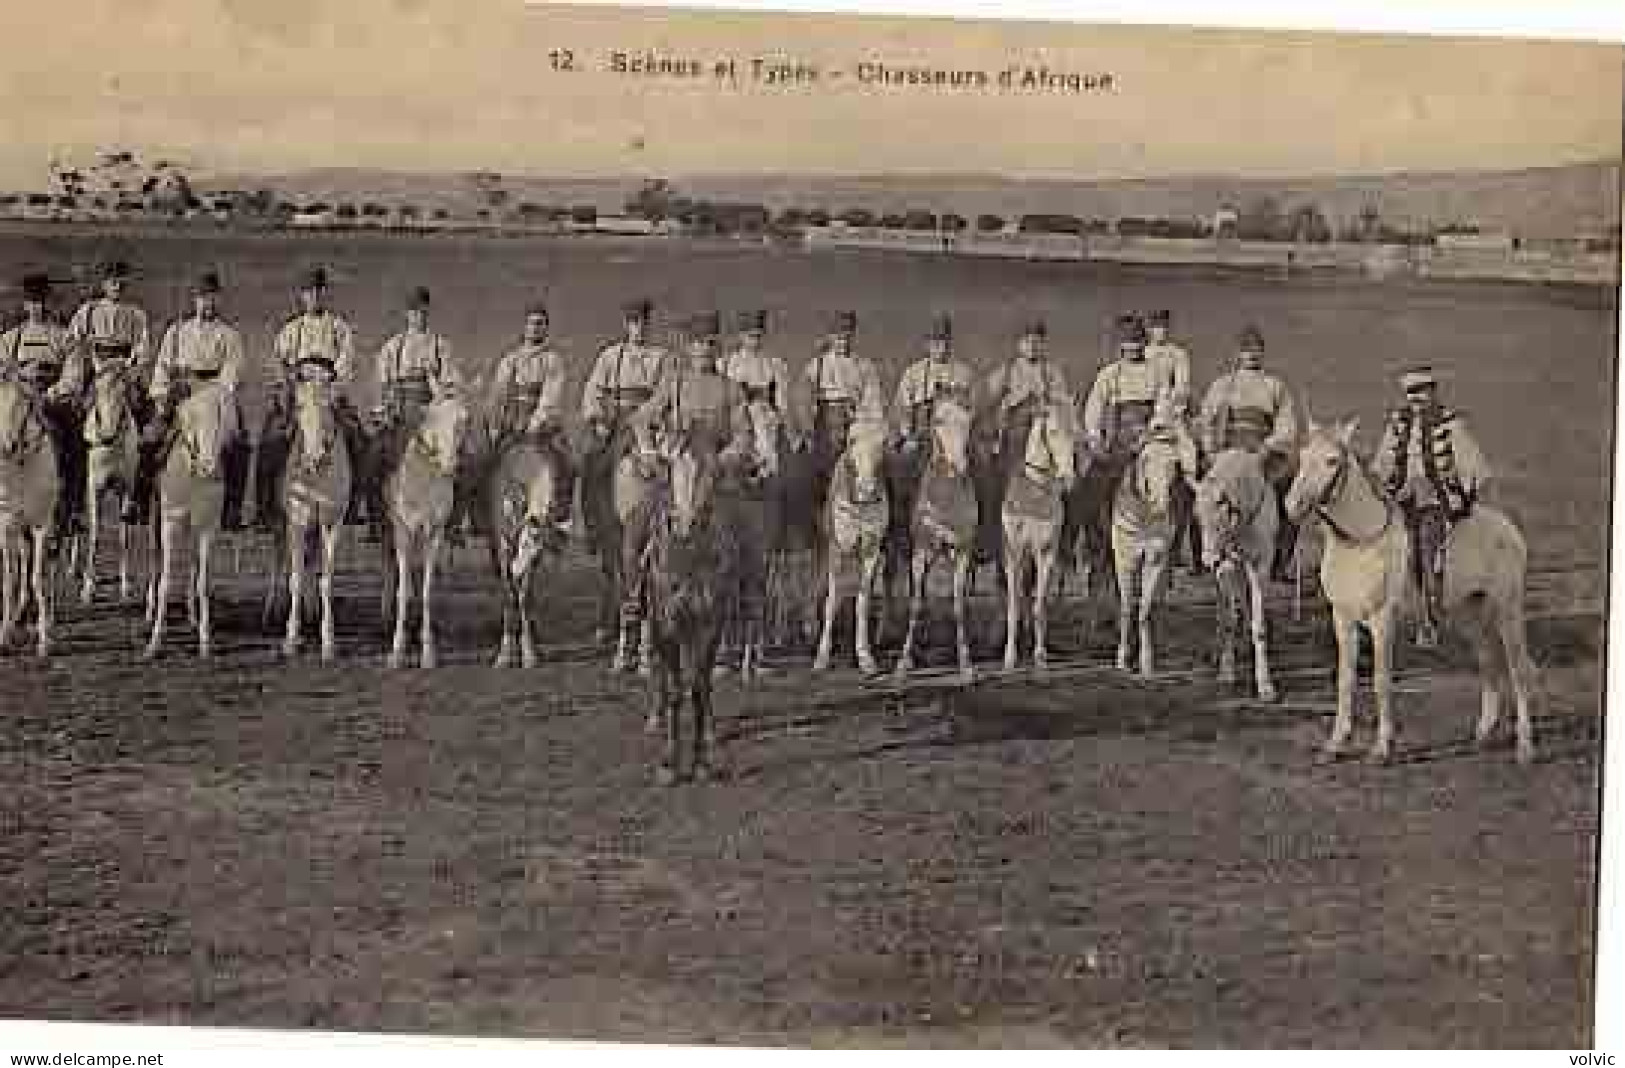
{"x": 39, "y": 374}
{"x": 1246, "y": 428}
{"x": 202, "y": 374}
{"x": 111, "y": 348}
{"x": 631, "y": 396}
{"x": 756, "y": 394}
{"x": 307, "y": 368}
{"x": 409, "y": 389}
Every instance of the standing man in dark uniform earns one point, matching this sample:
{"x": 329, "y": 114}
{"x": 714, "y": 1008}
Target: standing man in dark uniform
{"x": 39, "y": 354}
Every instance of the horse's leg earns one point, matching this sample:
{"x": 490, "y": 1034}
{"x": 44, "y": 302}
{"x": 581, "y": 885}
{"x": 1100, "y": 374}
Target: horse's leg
{"x": 1044, "y": 568}
{"x": 1347, "y": 630}
{"x": 123, "y": 562}
{"x": 1521, "y": 670}
{"x": 170, "y": 533}
{"x": 1151, "y": 583}
{"x": 431, "y": 557}
{"x": 528, "y": 654}
{"x": 1127, "y": 560}
{"x": 646, "y": 640}
{"x": 919, "y": 572}
{"x": 1015, "y": 558}
{"x": 1492, "y": 667}
{"x": 296, "y": 580}
{"x": 1227, "y": 611}
{"x": 1260, "y": 632}
{"x": 1382, "y": 682}
{"x": 866, "y": 655}
{"x": 205, "y": 627}
{"x": 826, "y": 634}
{"x": 403, "y": 599}
{"x": 964, "y": 568}
{"x": 87, "y": 582}
{"x": 9, "y": 594}
{"x": 331, "y": 531}
{"x": 44, "y": 596}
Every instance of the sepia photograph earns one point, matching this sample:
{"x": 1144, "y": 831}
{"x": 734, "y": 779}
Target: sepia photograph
{"x": 784, "y": 529}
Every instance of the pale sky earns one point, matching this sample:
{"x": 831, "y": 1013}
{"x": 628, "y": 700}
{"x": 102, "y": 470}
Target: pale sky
{"x": 256, "y": 86}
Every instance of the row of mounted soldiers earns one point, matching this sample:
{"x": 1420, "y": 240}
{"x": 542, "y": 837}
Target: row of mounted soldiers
{"x": 1430, "y": 460}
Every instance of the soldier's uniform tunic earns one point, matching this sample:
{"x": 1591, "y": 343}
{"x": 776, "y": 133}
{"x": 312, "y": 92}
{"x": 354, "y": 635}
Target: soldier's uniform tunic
{"x": 1173, "y": 366}
{"x": 762, "y": 377}
{"x": 42, "y": 358}
{"x": 840, "y": 390}
{"x": 1119, "y": 407}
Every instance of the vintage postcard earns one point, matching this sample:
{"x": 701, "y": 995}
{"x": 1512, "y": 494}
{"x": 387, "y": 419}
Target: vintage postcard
{"x": 704, "y": 527}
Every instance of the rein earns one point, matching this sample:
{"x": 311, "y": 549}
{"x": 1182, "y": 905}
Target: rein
{"x": 1336, "y": 489}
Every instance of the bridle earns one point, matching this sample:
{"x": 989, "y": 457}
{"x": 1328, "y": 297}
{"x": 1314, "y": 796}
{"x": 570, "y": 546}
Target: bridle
{"x": 1048, "y": 472}
{"x": 24, "y": 445}
{"x": 1334, "y": 489}
{"x": 117, "y": 379}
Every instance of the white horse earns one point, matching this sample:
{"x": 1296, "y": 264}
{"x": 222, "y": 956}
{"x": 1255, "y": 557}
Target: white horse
{"x": 1143, "y": 533}
{"x": 28, "y": 501}
{"x": 112, "y": 451}
{"x": 191, "y": 496}
{"x": 1365, "y": 571}
{"x": 521, "y": 495}
{"x": 315, "y": 494}
{"x": 944, "y": 523}
{"x": 1235, "y": 510}
{"x": 418, "y": 498}
{"x": 1032, "y": 516}
{"x": 856, "y": 515}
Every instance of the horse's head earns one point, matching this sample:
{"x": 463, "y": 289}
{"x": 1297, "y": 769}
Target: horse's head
{"x": 1157, "y": 468}
{"x": 317, "y": 424}
{"x": 439, "y": 438}
{"x": 205, "y": 422}
{"x": 692, "y": 490}
{"x": 866, "y": 450}
{"x": 1323, "y": 464}
{"x": 950, "y": 434}
{"x": 1052, "y": 446}
{"x": 16, "y": 417}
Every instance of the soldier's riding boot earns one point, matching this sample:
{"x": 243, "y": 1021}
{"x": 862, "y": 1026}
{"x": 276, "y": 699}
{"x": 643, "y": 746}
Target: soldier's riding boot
{"x": 1427, "y": 528}
{"x": 355, "y": 441}
{"x": 271, "y": 459}
{"x": 149, "y": 458}
{"x": 565, "y": 495}
{"x": 70, "y": 452}
{"x": 235, "y": 461}
{"x": 1286, "y": 539}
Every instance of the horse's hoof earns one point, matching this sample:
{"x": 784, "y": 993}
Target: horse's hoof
{"x": 967, "y": 675}
{"x": 1269, "y": 694}
{"x": 43, "y": 650}
{"x": 87, "y": 596}
{"x": 869, "y": 668}
{"x": 1122, "y": 663}
{"x": 720, "y": 670}
{"x": 646, "y": 670}
{"x": 504, "y": 659}
{"x": 1227, "y": 678}
{"x": 1526, "y": 754}
{"x": 428, "y": 663}
{"x": 1010, "y": 661}
{"x": 617, "y": 666}
{"x": 205, "y": 652}
{"x": 1041, "y": 664}
{"x": 150, "y": 652}
{"x": 1379, "y": 754}
{"x": 653, "y": 724}
{"x": 329, "y": 655}
{"x": 706, "y": 771}
{"x": 665, "y": 775}
{"x": 821, "y": 662}
{"x": 529, "y": 660}
{"x": 394, "y": 661}
{"x": 290, "y": 648}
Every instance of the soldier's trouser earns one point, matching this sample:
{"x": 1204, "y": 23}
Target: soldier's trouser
{"x": 235, "y": 459}
{"x": 270, "y": 461}
{"x": 1428, "y": 525}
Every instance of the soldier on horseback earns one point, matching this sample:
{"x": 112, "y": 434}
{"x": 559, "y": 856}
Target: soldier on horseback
{"x": 111, "y": 331}
{"x": 693, "y": 408}
{"x": 414, "y": 367}
{"x": 39, "y": 354}
{"x": 317, "y": 344}
{"x": 763, "y": 377}
{"x": 526, "y": 399}
{"x": 936, "y": 376}
{"x": 622, "y": 379}
{"x": 1251, "y": 409}
{"x": 1015, "y": 394}
{"x": 1125, "y": 395}
{"x": 1432, "y": 466}
{"x": 1175, "y": 362}
{"x": 841, "y": 386}
{"x": 199, "y": 349}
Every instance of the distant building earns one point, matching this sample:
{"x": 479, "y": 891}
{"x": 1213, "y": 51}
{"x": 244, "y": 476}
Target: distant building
{"x": 1475, "y": 242}
{"x": 1226, "y": 220}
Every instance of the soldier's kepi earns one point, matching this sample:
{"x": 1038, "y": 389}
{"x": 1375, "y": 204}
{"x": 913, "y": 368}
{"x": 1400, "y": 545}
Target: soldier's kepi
{"x": 1433, "y": 467}
{"x": 197, "y": 351}
{"x": 39, "y": 355}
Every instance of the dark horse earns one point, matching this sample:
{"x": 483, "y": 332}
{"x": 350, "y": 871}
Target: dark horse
{"x": 688, "y": 577}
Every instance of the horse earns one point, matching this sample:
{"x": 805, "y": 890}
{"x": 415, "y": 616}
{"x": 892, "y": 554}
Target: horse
{"x": 944, "y": 523}
{"x": 191, "y": 496}
{"x": 1143, "y": 529}
{"x": 316, "y": 484}
{"x": 113, "y": 442}
{"x": 519, "y": 497}
{"x": 418, "y": 498}
{"x": 1031, "y": 516}
{"x": 1365, "y": 571}
{"x": 1236, "y": 516}
{"x": 856, "y": 514}
{"x": 749, "y": 498}
{"x": 687, "y": 564}
{"x": 29, "y": 489}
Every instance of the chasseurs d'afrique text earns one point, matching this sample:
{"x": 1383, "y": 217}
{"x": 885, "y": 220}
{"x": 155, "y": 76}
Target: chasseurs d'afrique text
{"x": 783, "y": 72}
